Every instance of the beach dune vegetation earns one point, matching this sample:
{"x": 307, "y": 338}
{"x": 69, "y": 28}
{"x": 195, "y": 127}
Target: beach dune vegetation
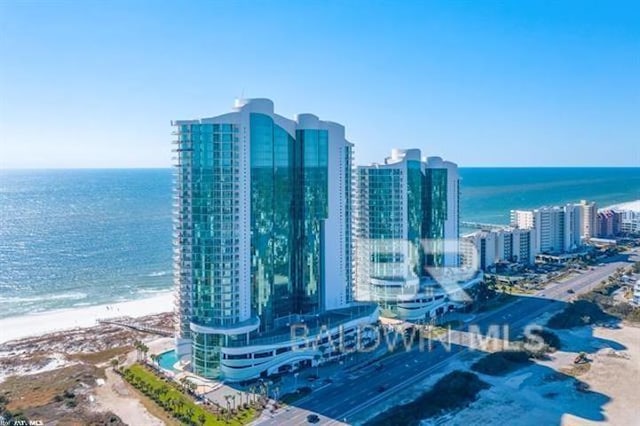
{"x": 171, "y": 397}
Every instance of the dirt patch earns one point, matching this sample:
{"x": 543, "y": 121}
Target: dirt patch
{"x": 128, "y": 403}
{"x": 576, "y": 369}
{"x": 40, "y": 389}
{"x": 103, "y": 356}
{"x": 61, "y": 396}
{"x": 53, "y": 378}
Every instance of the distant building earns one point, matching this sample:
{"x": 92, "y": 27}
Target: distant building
{"x": 615, "y": 221}
{"x": 479, "y": 249}
{"x": 589, "y": 219}
{"x": 629, "y": 222}
{"x": 636, "y": 293}
{"x": 483, "y": 249}
{"x": 557, "y": 229}
{"x": 523, "y": 219}
{"x": 608, "y": 223}
{"x": 406, "y": 227}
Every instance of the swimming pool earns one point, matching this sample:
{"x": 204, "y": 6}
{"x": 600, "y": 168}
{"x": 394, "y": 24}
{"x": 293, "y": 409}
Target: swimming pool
{"x": 167, "y": 360}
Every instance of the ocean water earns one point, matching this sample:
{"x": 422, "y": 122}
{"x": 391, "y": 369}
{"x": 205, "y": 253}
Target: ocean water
{"x": 488, "y": 194}
{"x": 82, "y": 237}
{"x": 72, "y": 238}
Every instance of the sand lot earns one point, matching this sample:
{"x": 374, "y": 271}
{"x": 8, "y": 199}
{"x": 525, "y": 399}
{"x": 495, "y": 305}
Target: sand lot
{"x": 552, "y": 392}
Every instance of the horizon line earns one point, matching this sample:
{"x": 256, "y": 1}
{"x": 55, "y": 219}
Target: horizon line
{"x": 459, "y": 166}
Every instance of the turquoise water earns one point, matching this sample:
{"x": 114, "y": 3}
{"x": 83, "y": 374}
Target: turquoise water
{"x": 71, "y": 238}
{"x": 167, "y": 360}
{"x": 487, "y": 194}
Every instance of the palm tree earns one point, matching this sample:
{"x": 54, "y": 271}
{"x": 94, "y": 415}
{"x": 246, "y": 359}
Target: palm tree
{"x": 186, "y": 384}
{"x": 163, "y": 390}
{"x": 154, "y": 358}
{"x": 190, "y": 412}
{"x": 179, "y": 404}
{"x": 227, "y": 398}
{"x": 136, "y": 345}
{"x": 240, "y": 398}
{"x": 145, "y": 350}
{"x": 317, "y": 358}
{"x": 114, "y": 364}
{"x": 171, "y": 403}
{"x": 140, "y": 349}
{"x": 202, "y": 419}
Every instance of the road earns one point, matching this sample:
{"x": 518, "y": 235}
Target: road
{"x": 349, "y": 396}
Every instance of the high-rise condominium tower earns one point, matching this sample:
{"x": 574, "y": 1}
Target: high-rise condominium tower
{"x": 589, "y": 219}
{"x": 557, "y": 229}
{"x": 483, "y": 249}
{"x": 262, "y": 238}
{"x": 406, "y": 229}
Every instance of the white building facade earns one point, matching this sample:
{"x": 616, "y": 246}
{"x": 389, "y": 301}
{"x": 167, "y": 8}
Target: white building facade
{"x": 557, "y": 229}
{"x": 629, "y": 221}
{"x": 483, "y": 249}
{"x": 589, "y": 219}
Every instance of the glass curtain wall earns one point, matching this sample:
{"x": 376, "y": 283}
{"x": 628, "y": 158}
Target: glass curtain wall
{"x": 386, "y": 242}
{"x": 435, "y": 215}
{"x": 311, "y": 211}
{"x": 272, "y": 220}
{"x": 414, "y": 218}
{"x": 213, "y": 191}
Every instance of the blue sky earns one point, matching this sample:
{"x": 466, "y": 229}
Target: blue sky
{"x": 509, "y": 83}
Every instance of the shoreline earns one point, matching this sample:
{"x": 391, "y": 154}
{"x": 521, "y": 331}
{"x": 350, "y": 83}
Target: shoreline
{"x": 41, "y": 323}
{"x": 32, "y": 325}
{"x": 633, "y": 206}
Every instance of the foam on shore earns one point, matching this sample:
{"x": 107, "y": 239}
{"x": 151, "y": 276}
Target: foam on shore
{"x": 631, "y": 205}
{"x": 63, "y": 319}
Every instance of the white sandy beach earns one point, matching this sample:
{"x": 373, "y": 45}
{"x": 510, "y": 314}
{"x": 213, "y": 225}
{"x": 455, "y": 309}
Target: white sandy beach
{"x": 631, "y": 205}
{"x": 47, "y": 322}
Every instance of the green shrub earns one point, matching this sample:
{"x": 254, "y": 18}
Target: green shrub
{"x": 578, "y": 313}
{"x": 501, "y": 363}
{"x": 550, "y": 339}
{"x": 455, "y": 390}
